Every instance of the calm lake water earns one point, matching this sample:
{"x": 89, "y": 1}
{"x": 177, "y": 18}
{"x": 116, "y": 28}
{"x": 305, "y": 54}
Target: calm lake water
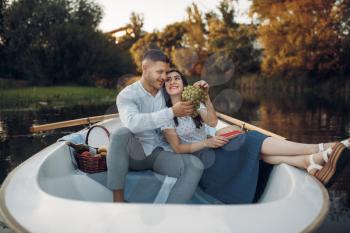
{"x": 307, "y": 118}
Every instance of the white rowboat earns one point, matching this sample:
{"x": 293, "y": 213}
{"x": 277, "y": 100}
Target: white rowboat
{"x": 46, "y": 193}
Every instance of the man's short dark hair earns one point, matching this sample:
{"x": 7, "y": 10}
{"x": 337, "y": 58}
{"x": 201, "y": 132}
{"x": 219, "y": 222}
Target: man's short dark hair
{"x": 156, "y": 55}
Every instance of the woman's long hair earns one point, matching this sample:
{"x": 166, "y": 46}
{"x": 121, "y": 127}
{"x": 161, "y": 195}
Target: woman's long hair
{"x": 198, "y": 119}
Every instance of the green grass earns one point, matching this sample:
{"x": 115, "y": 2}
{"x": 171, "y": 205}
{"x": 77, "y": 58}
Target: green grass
{"x": 54, "y": 97}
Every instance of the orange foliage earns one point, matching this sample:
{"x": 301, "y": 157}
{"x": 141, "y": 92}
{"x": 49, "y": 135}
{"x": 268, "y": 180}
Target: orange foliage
{"x": 301, "y": 37}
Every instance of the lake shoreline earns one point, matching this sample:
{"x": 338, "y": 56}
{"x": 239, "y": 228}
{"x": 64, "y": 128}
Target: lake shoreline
{"x": 337, "y": 86}
{"x": 35, "y": 98}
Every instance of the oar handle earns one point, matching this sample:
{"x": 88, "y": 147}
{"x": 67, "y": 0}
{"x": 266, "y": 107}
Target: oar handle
{"x": 248, "y": 126}
{"x": 76, "y": 122}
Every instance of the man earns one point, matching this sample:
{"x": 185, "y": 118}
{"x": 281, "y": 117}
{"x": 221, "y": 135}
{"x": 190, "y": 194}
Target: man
{"x": 140, "y": 145}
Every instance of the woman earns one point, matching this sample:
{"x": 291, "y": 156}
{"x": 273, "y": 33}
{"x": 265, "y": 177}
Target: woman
{"x": 232, "y": 164}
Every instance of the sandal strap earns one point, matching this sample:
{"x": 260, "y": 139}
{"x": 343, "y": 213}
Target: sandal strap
{"x": 346, "y": 143}
{"x": 313, "y": 165}
{"x": 326, "y": 153}
{"x": 320, "y": 147}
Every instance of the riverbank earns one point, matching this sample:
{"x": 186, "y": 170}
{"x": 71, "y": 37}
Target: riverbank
{"x": 249, "y": 86}
{"x": 338, "y": 87}
{"x": 54, "y": 97}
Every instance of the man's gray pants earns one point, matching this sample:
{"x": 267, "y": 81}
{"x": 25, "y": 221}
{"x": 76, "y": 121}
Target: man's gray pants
{"x": 125, "y": 152}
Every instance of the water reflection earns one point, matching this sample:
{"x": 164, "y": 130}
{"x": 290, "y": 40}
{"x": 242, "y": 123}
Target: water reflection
{"x": 2, "y": 131}
{"x": 308, "y": 119}
{"x": 17, "y": 144}
{"x": 339, "y": 212}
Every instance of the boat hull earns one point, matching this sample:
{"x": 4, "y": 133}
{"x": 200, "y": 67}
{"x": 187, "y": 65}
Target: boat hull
{"x": 47, "y": 194}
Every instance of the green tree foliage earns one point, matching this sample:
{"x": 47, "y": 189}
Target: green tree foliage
{"x": 303, "y": 38}
{"x": 176, "y": 40}
{"x": 56, "y": 42}
{"x": 3, "y": 5}
{"x": 133, "y": 34}
{"x": 205, "y": 40}
{"x": 134, "y": 31}
{"x": 171, "y": 38}
{"x": 234, "y": 41}
{"x": 195, "y": 40}
{"x": 168, "y": 40}
{"x": 148, "y": 41}
{"x": 227, "y": 12}
{"x": 195, "y": 25}
{"x": 136, "y": 23}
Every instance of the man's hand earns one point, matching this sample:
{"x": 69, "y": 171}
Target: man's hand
{"x": 181, "y": 109}
{"x": 202, "y": 84}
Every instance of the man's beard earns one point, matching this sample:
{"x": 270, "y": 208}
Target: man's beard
{"x": 155, "y": 84}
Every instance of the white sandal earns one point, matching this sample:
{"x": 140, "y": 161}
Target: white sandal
{"x": 314, "y": 165}
{"x": 320, "y": 147}
{"x": 335, "y": 159}
{"x": 346, "y": 143}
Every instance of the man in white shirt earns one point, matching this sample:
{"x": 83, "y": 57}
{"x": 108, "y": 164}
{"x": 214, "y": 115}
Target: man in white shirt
{"x": 140, "y": 145}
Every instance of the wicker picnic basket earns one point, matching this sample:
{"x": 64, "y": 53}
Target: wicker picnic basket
{"x": 92, "y": 164}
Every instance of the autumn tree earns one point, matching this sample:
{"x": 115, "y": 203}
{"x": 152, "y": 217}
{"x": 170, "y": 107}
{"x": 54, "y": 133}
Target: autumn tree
{"x": 168, "y": 40}
{"x": 303, "y": 38}
{"x": 171, "y": 38}
{"x": 205, "y": 41}
{"x": 148, "y": 41}
{"x": 195, "y": 38}
{"x": 233, "y": 41}
{"x": 134, "y": 31}
{"x": 195, "y": 25}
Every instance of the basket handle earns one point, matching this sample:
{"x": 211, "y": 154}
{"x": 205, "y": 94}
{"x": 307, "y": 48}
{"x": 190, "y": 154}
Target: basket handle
{"x": 98, "y": 126}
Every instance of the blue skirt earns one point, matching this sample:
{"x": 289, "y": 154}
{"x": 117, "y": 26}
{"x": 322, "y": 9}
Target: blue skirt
{"x": 231, "y": 172}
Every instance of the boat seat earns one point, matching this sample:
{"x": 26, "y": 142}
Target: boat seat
{"x": 150, "y": 187}
{"x": 141, "y": 186}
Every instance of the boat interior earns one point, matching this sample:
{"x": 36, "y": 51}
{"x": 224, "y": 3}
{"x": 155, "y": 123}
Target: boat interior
{"x": 59, "y": 176}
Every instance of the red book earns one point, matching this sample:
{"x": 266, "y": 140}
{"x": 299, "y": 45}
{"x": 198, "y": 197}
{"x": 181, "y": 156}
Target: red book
{"x": 232, "y": 133}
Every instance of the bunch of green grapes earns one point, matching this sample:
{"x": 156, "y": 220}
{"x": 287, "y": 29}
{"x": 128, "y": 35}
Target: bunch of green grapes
{"x": 194, "y": 94}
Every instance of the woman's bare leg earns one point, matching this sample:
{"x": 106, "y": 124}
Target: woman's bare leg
{"x": 281, "y": 152}
{"x": 300, "y": 161}
{"x": 278, "y": 147}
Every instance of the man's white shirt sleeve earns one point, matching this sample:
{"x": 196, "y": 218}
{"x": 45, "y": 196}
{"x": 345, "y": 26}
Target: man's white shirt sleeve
{"x": 131, "y": 117}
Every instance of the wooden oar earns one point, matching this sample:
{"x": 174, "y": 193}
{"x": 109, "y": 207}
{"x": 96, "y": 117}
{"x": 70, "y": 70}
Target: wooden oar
{"x": 64, "y": 124}
{"x": 94, "y": 119}
{"x": 247, "y": 126}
